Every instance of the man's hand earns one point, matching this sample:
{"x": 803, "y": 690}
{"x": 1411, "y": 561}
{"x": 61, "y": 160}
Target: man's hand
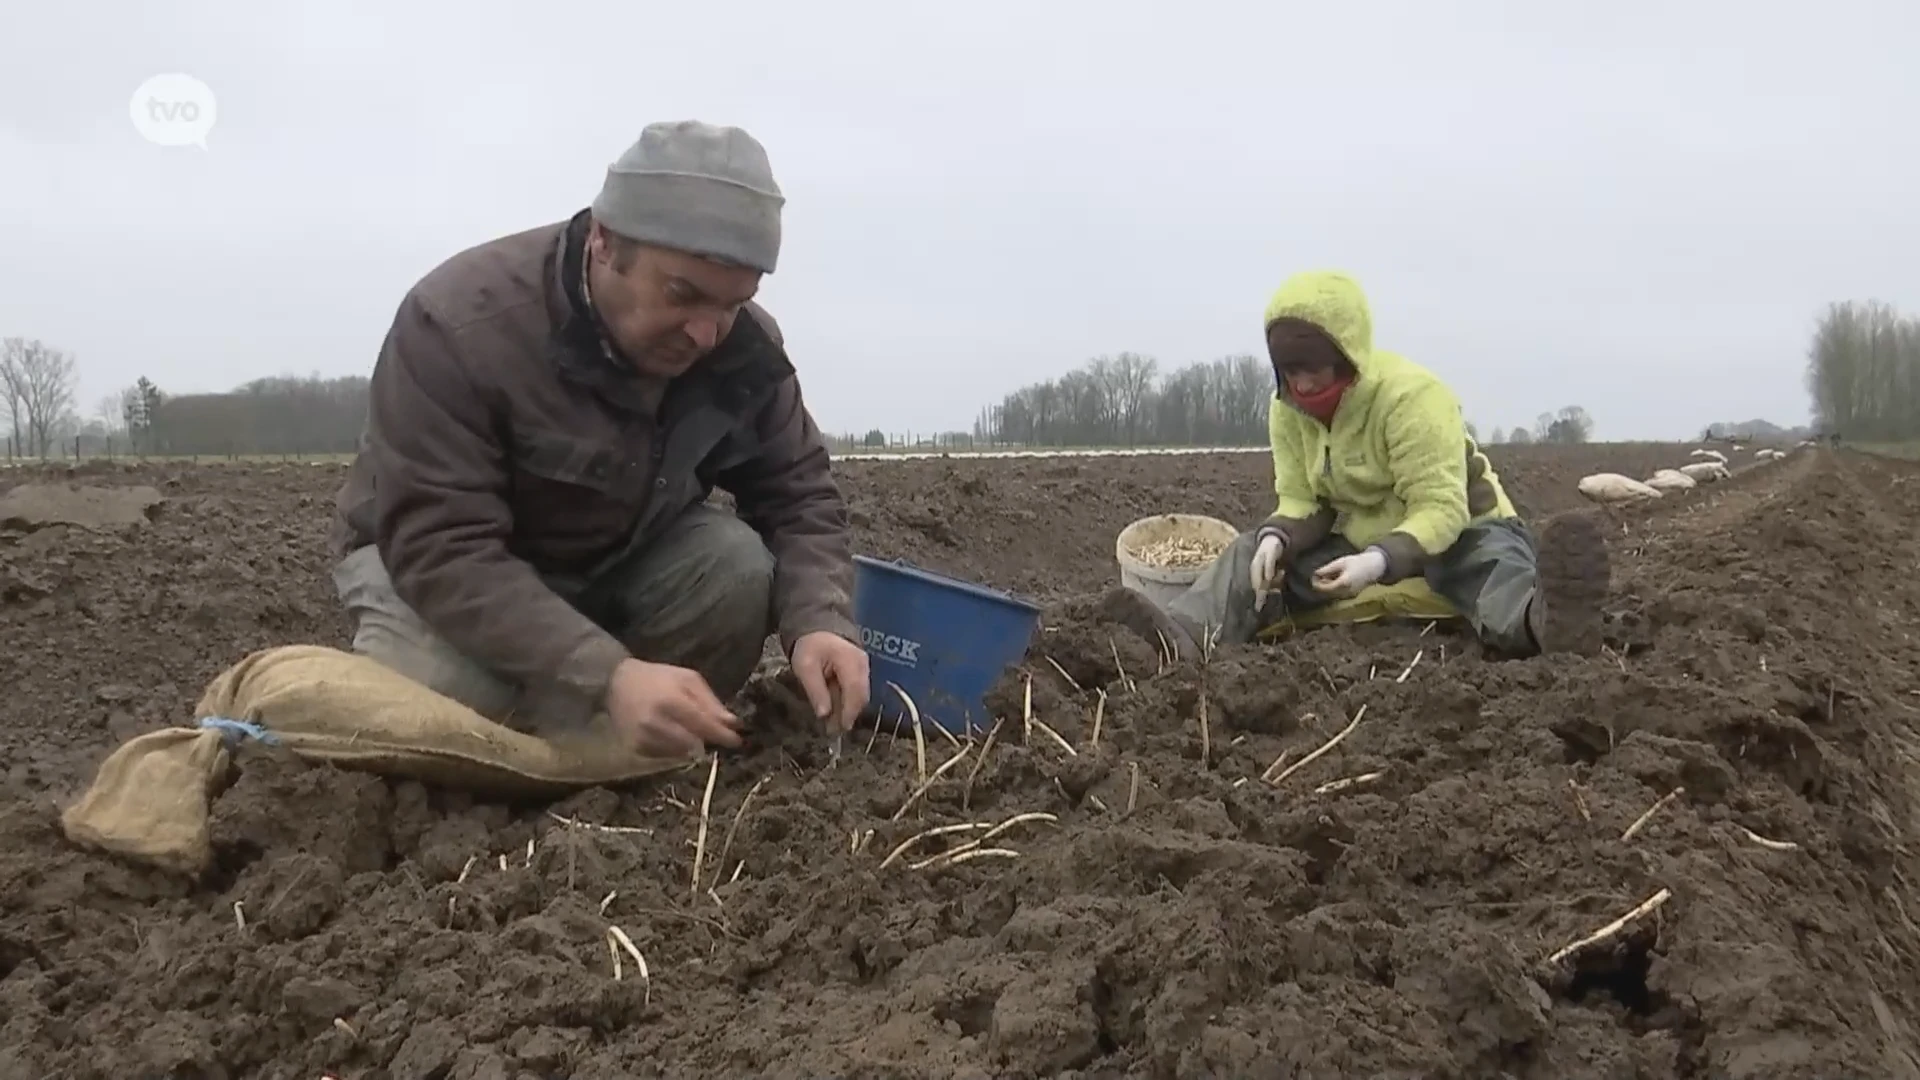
{"x": 1347, "y": 576}
{"x": 1266, "y": 567}
{"x": 833, "y": 672}
{"x": 668, "y": 711}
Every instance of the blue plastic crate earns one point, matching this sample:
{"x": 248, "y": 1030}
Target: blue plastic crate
{"x": 942, "y": 640}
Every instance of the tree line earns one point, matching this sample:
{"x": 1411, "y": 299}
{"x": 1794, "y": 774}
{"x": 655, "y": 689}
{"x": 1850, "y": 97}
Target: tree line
{"x": 1863, "y": 372}
{"x": 39, "y": 386}
{"x": 1124, "y": 400}
{"x": 1862, "y": 376}
{"x": 1570, "y": 426}
{"x": 275, "y": 415}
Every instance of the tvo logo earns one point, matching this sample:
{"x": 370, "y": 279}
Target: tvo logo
{"x": 173, "y": 110}
{"x": 892, "y": 646}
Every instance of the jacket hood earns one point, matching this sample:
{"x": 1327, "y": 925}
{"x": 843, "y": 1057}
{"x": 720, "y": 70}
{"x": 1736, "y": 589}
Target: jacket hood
{"x": 1332, "y": 301}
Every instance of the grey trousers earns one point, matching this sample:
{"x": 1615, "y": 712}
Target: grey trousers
{"x": 1488, "y": 574}
{"x": 699, "y": 597}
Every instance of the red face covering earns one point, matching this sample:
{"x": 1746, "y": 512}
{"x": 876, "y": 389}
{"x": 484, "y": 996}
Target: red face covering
{"x": 1321, "y": 404}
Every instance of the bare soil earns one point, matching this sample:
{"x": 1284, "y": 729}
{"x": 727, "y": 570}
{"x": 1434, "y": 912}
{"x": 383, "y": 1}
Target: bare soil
{"x": 1178, "y": 916}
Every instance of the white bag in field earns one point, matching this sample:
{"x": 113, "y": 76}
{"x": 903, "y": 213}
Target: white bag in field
{"x": 1706, "y": 472}
{"x": 1670, "y": 480}
{"x": 1609, "y": 487}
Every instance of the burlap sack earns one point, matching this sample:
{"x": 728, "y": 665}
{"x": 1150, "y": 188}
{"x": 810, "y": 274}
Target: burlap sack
{"x": 1409, "y": 599}
{"x": 149, "y": 800}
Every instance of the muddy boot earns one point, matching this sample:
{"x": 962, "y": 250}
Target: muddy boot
{"x": 1148, "y": 621}
{"x": 1573, "y": 577}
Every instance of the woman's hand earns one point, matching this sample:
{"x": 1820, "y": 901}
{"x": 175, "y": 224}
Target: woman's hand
{"x": 1347, "y": 576}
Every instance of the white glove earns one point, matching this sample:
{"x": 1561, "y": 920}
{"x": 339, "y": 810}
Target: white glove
{"x": 1265, "y": 571}
{"x": 1347, "y": 576}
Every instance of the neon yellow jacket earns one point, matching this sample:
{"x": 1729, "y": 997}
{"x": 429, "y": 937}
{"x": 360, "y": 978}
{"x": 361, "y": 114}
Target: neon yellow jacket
{"x": 1397, "y": 468}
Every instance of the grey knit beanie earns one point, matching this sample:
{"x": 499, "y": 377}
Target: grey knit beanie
{"x": 699, "y": 188}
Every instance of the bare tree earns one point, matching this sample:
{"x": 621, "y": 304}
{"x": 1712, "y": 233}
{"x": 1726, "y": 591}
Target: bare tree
{"x": 1572, "y": 425}
{"x": 41, "y": 384}
{"x": 1133, "y": 379}
{"x": 1863, "y": 372}
{"x": 109, "y": 413}
{"x": 140, "y": 406}
{"x": 11, "y": 396}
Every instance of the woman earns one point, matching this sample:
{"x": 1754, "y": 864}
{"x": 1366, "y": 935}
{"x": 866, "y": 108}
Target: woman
{"x": 1378, "y": 481}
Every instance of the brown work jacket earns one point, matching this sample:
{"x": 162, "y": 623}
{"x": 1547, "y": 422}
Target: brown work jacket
{"x": 506, "y": 451}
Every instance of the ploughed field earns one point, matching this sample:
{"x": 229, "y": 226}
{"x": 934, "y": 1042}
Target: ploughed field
{"x": 1159, "y": 904}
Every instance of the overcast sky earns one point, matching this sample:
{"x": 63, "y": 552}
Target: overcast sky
{"x": 1636, "y": 207}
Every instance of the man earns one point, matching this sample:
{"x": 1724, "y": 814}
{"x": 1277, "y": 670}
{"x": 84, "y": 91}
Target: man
{"x": 1378, "y": 482}
{"x": 525, "y": 528}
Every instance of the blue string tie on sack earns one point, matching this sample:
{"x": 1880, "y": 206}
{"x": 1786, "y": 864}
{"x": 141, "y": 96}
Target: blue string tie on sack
{"x": 232, "y": 731}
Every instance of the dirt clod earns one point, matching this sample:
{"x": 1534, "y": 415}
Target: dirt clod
{"x": 30, "y": 507}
